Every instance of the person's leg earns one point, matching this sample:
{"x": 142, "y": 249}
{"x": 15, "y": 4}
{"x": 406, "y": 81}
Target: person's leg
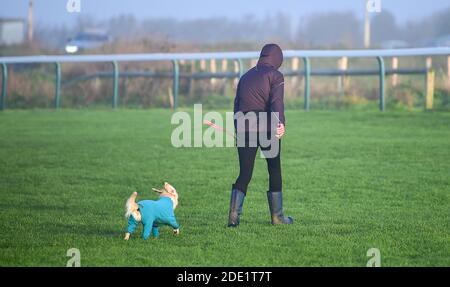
{"x": 239, "y": 189}
{"x": 274, "y": 194}
{"x": 246, "y": 163}
{"x": 274, "y": 169}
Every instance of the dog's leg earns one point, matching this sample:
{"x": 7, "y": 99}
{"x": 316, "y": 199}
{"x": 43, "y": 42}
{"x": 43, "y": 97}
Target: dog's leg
{"x": 155, "y": 231}
{"x": 147, "y": 229}
{"x": 173, "y": 222}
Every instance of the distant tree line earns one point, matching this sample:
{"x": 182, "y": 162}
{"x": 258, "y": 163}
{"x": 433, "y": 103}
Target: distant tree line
{"x": 326, "y": 30}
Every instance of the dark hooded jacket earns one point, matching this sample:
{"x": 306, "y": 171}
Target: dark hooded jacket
{"x": 261, "y": 89}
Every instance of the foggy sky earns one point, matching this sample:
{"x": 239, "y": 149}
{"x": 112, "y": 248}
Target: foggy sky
{"x": 53, "y": 12}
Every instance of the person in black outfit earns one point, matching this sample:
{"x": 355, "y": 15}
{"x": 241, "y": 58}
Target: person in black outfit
{"x": 261, "y": 89}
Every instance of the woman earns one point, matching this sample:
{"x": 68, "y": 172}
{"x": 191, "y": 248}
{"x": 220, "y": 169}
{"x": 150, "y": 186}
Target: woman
{"x": 259, "y": 90}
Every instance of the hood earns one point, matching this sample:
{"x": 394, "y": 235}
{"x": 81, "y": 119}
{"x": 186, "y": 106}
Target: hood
{"x": 271, "y": 55}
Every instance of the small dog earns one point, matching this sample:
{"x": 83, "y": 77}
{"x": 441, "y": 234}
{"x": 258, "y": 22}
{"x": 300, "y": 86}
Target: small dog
{"x": 152, "y": 213}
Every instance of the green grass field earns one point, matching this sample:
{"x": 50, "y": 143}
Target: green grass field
{"x": 353, "y": 181}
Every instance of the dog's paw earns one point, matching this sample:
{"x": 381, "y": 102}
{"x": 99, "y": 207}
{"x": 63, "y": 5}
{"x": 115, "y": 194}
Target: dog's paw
{"x": 176, "y": 231}
{"x": 127, "y": 236}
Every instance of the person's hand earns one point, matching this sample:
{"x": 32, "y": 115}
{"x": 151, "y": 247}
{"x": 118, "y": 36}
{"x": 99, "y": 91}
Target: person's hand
{"x": 280, "y": 131}
{"x": 176, "y": 231}
{"x": 127, "y": 236}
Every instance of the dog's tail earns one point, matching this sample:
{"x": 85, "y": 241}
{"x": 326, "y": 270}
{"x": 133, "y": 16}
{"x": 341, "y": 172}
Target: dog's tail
{"x": 131, "y": 205}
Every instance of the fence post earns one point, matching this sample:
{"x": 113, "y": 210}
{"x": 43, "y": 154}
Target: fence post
{"x": 294, "y": 67}
{"x": 224, "y": 67}
{"x": 57, "y": 84}
{"x": 238, "y": 68}
{"x": 191, "y": 81}
{"x": 382, "y": 71}
{"x": 202, "y": 65}
{"x": 213, "y": 69}
{"x": 448, "y": 72}
{"x": 429, "y": 89}
{"x": 4, "y": 86}
{"x": 241, "y": 68}
{"x": 115, "y": 84}
{"x": 176, "y": 78}
{"x": 429, "y": 62}
{"x": 342, "y": 80}
{"x": 307, "y": 73}
{"x": 395, "y": 68}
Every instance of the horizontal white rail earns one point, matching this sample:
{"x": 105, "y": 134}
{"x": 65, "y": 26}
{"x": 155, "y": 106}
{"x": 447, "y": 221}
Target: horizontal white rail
{"x": 224, "y": 55}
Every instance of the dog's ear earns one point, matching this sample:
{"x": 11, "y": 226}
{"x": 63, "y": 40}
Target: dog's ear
{"x": 169, "y": 188}
{"x": 157, "y": 190}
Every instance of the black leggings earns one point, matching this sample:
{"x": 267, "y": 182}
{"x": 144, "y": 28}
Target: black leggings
{"x": 247, "y": 161}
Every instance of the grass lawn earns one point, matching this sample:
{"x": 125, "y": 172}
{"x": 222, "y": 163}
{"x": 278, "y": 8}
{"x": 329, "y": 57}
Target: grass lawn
{"x": 352, "y": 181}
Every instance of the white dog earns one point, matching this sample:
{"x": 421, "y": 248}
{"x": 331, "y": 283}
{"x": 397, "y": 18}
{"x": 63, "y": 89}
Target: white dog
{"x": 152, "y": 213}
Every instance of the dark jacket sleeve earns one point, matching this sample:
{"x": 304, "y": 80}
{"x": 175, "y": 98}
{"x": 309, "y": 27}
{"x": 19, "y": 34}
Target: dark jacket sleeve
{"x": 277, "y": 95}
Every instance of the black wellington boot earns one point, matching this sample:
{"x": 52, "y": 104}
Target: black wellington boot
{"x": 236, "y": 202}
{"x": 276, "y": 208}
